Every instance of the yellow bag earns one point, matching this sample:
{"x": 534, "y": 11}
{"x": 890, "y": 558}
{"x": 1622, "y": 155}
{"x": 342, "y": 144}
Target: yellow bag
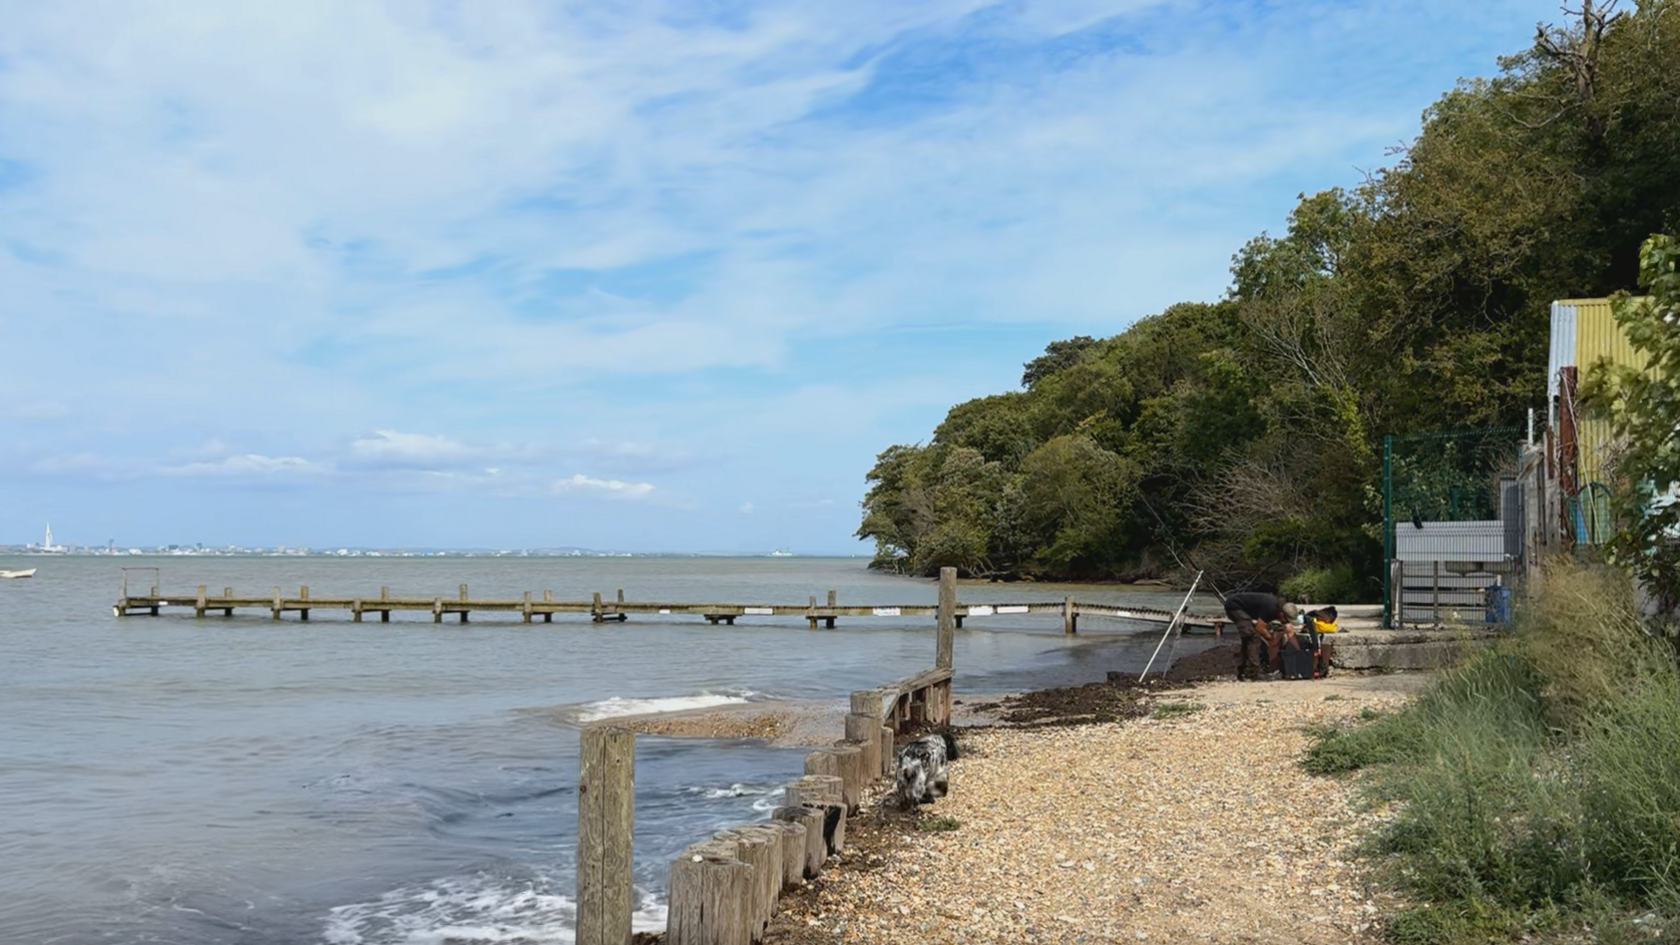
{"x": 1323, "y": 627}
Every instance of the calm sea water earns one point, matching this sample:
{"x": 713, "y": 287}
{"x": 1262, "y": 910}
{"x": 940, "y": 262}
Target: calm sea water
{"x": 242, "y": 781}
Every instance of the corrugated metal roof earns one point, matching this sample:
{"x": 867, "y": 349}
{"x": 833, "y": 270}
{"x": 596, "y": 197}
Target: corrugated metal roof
{"x": 1562, "y": 352}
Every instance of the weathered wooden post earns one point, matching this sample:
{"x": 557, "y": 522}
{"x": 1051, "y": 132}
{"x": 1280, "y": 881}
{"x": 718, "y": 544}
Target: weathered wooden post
{"x": 947, "y": 617}
{"x": 303, "y": 595}
{"x": 822, "y": 793}
{"x": 527, "y": 608}
{"x": 710, "y": 897}
{"x": 760, "y": 848}
{"x": 863, "y": 726}
{"x": 277, "y": 603}
{"x": 1070, "y": 616}
{"x": 595, "y": 609}
{"x": 198, "y": 608}
{"x": 816, "y": 848}
{"x": 606, "y": 823}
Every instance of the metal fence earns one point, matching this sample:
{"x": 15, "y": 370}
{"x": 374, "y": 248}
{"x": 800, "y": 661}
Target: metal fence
{"x": 1453, "y": 524}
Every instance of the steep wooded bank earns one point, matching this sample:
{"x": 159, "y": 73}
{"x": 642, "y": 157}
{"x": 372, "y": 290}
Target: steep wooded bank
{"x": 1244, "y": 435}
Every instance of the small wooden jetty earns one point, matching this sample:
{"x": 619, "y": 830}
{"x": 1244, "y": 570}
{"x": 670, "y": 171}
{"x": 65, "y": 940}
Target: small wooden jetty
{"x": 544, "y": 606}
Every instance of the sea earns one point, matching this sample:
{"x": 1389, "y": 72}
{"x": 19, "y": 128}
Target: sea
{"x": 175, "y": 780}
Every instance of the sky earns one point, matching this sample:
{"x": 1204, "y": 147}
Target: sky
{"x": 631, "y": 275}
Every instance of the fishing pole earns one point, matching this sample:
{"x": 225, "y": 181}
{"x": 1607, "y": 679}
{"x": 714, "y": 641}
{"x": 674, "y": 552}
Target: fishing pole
{"x": 1179, "y": 614}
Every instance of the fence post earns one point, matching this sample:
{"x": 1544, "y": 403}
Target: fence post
{"x": 947, "y": 617}
{"x": 1388, "y": 530}
{"x": 606, "y": 823}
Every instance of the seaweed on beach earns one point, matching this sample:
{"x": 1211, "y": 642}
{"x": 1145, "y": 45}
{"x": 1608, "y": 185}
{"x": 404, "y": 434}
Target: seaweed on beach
{"x": 1117, "y": 699}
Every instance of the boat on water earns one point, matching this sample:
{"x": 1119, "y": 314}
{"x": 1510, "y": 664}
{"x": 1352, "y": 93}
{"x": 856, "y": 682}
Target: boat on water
{"x": 17, "y": 574}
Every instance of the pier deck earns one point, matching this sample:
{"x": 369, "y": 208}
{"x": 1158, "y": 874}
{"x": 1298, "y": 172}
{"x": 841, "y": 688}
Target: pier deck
{"x": 534, "y": 607}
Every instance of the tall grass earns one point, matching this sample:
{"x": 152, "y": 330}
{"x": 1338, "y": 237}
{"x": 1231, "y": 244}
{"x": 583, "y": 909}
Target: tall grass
{"x": 1538, "y": 782}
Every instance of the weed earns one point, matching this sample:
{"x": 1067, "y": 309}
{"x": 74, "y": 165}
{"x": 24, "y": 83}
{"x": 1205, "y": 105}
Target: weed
{"x": 1333, "y": 697}
{"x": 941, "y": 824}
{"x": 1173, "y": 710}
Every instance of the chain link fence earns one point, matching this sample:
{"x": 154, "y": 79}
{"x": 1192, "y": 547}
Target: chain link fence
{"x": 1453, "y": 524}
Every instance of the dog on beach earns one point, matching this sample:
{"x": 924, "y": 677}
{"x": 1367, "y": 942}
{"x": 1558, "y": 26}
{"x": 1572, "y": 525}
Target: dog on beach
{"x": 923, "y": 774}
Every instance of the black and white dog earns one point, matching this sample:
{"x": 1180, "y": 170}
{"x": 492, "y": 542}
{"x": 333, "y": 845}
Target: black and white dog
{"x": 922, "y": 771}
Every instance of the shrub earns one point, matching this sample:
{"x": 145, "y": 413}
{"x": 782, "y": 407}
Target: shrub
{"x": 1538, "y": 781}
{"x": 1332, "y": 585}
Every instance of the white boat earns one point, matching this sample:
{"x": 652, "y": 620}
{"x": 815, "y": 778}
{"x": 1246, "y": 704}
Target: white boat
{"x": 17, "y": 574}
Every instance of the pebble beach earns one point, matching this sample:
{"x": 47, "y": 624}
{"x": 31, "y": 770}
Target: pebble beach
{"x": 1191, "y": 821}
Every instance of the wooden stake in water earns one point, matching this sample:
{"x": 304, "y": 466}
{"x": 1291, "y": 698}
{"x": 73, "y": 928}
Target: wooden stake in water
{"x": 606, "y": 818}
{"x": 1177, "y": 615}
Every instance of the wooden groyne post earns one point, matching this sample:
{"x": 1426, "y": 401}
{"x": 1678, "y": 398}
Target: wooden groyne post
{"x": 606, "y": 824}
{"x": 947, "y": 617}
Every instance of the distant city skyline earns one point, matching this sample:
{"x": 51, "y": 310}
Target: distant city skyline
{"x": 649, "y": 276}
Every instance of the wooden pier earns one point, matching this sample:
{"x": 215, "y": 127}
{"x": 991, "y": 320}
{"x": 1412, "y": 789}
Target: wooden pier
{"x": 543, "y": 606}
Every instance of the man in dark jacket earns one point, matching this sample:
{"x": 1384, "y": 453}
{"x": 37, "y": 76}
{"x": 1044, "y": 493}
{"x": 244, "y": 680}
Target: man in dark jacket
{"x": 1251, "y": 611}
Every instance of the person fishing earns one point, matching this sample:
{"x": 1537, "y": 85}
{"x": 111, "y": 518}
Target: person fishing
{"x": 1252, "y": 612}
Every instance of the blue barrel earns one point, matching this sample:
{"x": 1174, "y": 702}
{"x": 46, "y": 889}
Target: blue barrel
{"x": 1498, "y": 603}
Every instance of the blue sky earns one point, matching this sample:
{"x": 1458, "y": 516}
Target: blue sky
{"x": 630, "y": 275}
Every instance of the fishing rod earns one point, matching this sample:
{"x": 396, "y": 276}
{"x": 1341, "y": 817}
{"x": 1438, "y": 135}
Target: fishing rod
{"x": 1166, "y": 536}
{"x": 1177, "y": 616}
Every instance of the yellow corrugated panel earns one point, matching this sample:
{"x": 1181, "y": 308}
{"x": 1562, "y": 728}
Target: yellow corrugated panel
{"x": 1598, "y": 338}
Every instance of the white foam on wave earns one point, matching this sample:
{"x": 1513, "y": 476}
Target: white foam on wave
{"x": 471, "y": 910}
{"x": 618, "y": 706}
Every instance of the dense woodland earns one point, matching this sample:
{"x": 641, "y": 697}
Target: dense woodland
{"x": 1244, "y": 435}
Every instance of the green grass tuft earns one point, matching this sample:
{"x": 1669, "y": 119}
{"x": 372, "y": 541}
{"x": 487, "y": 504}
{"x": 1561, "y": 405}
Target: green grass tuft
{"x": 940, "y": 824}
{"x": 1173, "y": 710}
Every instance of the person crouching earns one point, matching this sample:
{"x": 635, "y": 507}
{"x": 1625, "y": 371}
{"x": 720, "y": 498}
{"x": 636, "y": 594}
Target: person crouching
{"x": 1251, "y": 612}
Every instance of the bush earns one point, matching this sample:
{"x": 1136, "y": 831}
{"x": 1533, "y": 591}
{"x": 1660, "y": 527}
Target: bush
{"x": 1332, "y": 585}
{"x": 1538, "y": 781}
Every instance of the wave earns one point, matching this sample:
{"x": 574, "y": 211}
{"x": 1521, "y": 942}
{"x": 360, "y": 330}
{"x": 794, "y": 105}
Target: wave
{"x": 470, "y": 910}
{"x": 619, "y": 706}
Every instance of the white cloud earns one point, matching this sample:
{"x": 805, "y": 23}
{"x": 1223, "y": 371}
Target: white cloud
{"x": 746, "y": 508}
{"x": 615, "y": 488}
{"x": 391, "y": 448}
{"x": 250, "y": 465}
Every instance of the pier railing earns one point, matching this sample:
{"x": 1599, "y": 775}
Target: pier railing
{"x": 724, "y": 889}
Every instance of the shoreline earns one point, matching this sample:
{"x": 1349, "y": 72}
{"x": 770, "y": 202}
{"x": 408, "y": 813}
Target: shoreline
{"x": 1188, "y": 820}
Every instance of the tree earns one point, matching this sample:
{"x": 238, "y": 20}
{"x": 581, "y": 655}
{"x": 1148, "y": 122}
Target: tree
{"x": 1644, "y": 408}
{"x": 1057, "y": 355}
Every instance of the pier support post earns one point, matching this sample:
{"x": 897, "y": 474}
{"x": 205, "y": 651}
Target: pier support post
{"x": 198, "y": 606}
{"x": 303, "y": 595}
{"x": 277, "y": 603}
{"x": 606, "y": 823}
{"x": 595, "y": 609}
{"x": 947, "y": 617}
{"x": 437, "y": 610}
{"x": 527, "y": 608}
{"x": 384, "y": 616}
{"x": 356, "y": 610}
{"x": 1070, "y": 617}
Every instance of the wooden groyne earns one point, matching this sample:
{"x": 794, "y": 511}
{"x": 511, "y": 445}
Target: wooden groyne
{"x": 543, "y": 606}
{"x": 724, "y": 889}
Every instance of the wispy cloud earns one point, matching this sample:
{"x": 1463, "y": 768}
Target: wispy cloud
{"x": 706, "y": 245}
{"x": 250, "y": 464}
{"x": 411, "y": 450}
{"x": 615, "y": 488}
